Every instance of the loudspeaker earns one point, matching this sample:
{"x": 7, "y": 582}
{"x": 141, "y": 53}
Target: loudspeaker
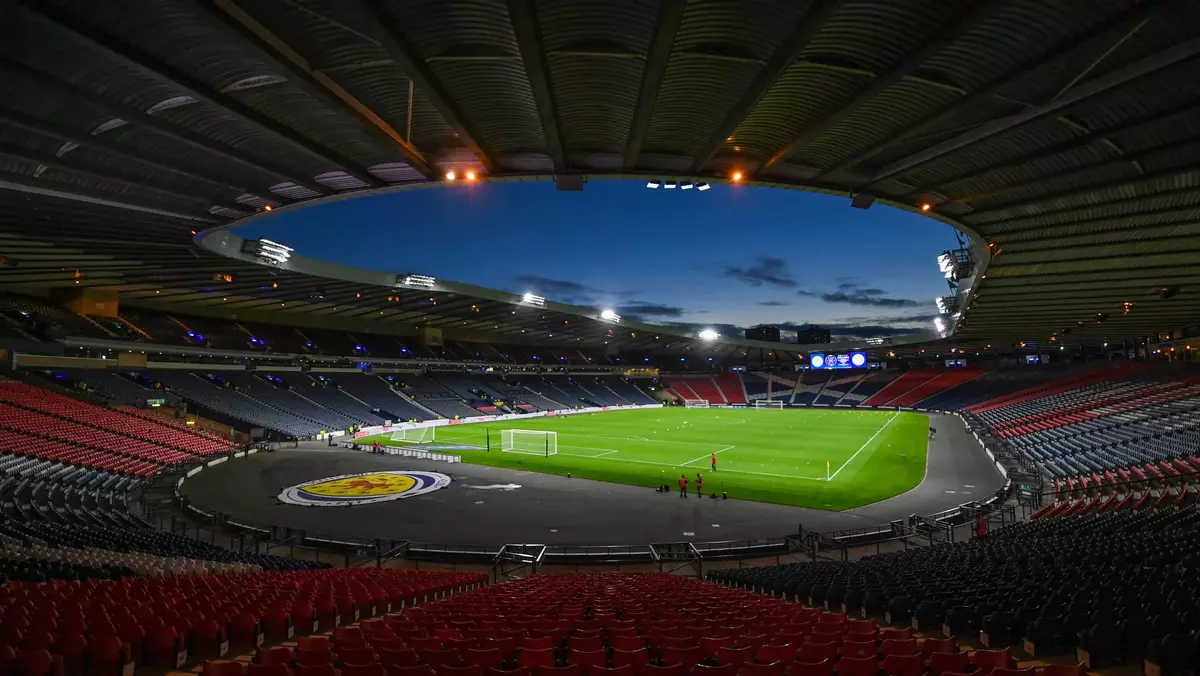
{"x": 569, "y": 182}
{"x": 862, "y": 200}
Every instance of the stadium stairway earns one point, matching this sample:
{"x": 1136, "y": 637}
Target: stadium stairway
{"x": 1072, "y": 381}
{"x": 939, "y": 383}
{"x": 705, "y": 388}
{"x": 1105, "y": 588}
{"x": 730, "y": 386}
{"x": 864, "y": 387}
{"x": 681, "y": 388}
{"x": 907, "y": 381}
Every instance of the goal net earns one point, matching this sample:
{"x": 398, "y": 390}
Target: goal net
{"x": 695, "y": 403}
{"x": 415, "y": 435}
{"x": 530, "y": 442}
{"x": 768, "y": 403}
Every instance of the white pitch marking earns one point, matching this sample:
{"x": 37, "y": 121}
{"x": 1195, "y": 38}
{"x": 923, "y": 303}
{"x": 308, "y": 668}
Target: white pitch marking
{"x": 860, "y": 448}
{"x": 950, "y": 492}
{"x": 601, "y": 455}
{"x": 706, "y": 455}
{"x": 689, "y": 534}
{"x": 969, "y": 486}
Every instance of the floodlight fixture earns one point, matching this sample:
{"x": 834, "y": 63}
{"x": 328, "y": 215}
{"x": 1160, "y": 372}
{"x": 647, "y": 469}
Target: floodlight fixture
{"x": 709, "y": 334}
{"x": 471, "y": 175}
{"x": 423, "y": 281}
{"x": 610, "y": 316}
{"x": 687, "y": 186}
{"x": 939, "y": 325}
{"x": 670, "y": 185}
{"x": 652, "y": 184}
{"x": 450, "y": 175}
{"x": 703, "y": 186}
{"x": 537, "y": 301}
{"x": 265, "y": 249}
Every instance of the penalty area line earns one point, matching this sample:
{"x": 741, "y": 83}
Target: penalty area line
{"x": 707, "y": 455}
{"x": 865, "y": 444}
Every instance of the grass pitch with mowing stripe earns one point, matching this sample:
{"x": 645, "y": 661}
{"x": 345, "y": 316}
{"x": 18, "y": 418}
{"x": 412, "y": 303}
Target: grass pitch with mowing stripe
{"x": 766, "y": 455}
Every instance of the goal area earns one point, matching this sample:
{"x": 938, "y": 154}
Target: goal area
{"x": 775, "y": 404}
{"x": 415, "y": 435}
{"x": 695, "y": 403}
{"x": 529, "y": 442}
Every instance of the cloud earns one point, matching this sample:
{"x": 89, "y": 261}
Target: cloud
{"x": 553, "y": 288}
{"x": 636, "y": 310}
{"x": 774, "y": 303}
{"x": 765, "y": 270}
{"x": 872, "y": 299}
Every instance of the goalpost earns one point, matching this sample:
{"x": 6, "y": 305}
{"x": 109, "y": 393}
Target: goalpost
{"x": 415, "y": 435}
{"x": 760, "y": 404}
{"x": 529, "y": 442}
{"x": 695, "y": 403}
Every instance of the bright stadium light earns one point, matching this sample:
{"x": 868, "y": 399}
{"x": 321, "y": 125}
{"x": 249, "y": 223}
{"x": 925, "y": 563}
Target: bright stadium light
{"x": 652, "y": 184}
{"x": 946, "y": 264}
{"x": 709, "y": 334}
{"x": 423, "y": 281}
{"x": 670, "y": 185}
{"x": 687, "y": 186}
{"x": 703, "y": 186}
{"x": 538, "y": 301}
{"x": 939, "y": 325}
{"x": 610, "y": 316}
{"x": 271, "y": 252}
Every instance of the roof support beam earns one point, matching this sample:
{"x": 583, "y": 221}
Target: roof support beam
{"x": 65, "y": 164}
{"x": 33, "y": 186}
{"x": 1185, "y": 212}
{"x": 528, "y": 33}
{"x": 403, "y": 55}
{"x": 163, "y": 128}
{"x": 144, "y": 64}
{"x": 1123, "y": 22}
{"x": 808, "y": 28}
{"x": 315, "y": 83}
{"x": 1131, "y": 160}
{"x": 1076, "y": 143}
{"x": 1078, "y": 192}
{"x": 670, "y": 14}
{"x": 116, "y": 150}
{"x": 1166, "y": 58}
{"x": 964, "y": 16}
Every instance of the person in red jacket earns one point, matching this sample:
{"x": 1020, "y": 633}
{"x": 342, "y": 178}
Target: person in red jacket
{"x": 699, "y": 486}
{"x": 682, "y": 486}
{"x": 714, "y": 462}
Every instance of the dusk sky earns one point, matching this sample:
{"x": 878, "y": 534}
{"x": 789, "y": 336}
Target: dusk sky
{"x": 732, "y": 256}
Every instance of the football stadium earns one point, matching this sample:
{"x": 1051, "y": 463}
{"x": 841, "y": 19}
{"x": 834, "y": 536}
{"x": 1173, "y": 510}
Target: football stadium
{"x": 580, "y": 338}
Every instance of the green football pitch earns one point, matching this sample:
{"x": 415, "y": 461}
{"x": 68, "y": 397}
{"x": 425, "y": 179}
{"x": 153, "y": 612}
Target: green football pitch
{"x": 825, "y": 459}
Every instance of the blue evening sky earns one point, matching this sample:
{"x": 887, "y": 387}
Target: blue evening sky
{"x": 733, "y": 256}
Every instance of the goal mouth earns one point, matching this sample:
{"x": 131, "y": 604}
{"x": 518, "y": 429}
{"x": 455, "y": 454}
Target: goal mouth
{"x": 529, "y": 442}
{"x": 695, "y": 403}
{"x": 768, "y": 404}
{"x": 415, "y": 435}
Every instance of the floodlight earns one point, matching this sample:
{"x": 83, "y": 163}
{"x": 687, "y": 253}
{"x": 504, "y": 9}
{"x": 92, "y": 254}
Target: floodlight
{"x": 271, "y": 252}
{"x": 539, "y": 301}
{"x": 423, "y": 281}
{"x": 670, "y": 185}
{"x": 703, "y": 186}
{"x": 450, "y": 176}
{"x": 470, "y": 175}
{"x": 939, "y": 325}
{"x": 687, "y": 186}
{"x": 709, "y": 334}
{"x": 610, "y": 316}
{"x": 652, "y": 184}
{"x": 737, "y": 176}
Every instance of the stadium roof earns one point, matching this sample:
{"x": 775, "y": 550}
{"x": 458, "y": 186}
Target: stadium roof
{"x": 1063, "y": 138}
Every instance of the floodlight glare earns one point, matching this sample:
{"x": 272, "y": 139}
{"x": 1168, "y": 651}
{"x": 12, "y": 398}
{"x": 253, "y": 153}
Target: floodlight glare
{"x": 652, "y": 184}
{"x": 670, "y": 185}
{"x": 423, "y": 281}
{"x": 610, "y": 315}
{"x": 686, "y": 186}
{"x": 533, "y": 300}
{"x": 702, "y": 186}
{"x": 709, "y": 334}
{"x": 939, "y": 325}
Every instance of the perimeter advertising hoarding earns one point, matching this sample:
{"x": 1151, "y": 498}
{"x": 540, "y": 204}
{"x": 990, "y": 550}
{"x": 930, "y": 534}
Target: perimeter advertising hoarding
{"x": 850, "y": 360}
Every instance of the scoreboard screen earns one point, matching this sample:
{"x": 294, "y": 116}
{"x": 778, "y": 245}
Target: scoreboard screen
{"x": 850, "y": 360}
